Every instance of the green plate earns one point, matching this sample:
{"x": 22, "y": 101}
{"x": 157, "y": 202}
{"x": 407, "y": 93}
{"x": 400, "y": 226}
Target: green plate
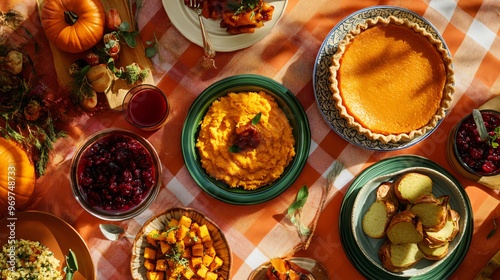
{"x": 292, "y": 109}
{"x": 362, "y": 253}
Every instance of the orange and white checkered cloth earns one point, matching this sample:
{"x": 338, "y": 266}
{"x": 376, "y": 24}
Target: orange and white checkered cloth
{"x": 257, "y": 233}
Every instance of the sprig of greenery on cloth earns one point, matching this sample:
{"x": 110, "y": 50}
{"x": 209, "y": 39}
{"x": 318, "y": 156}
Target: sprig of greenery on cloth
{"x": 294, "y": 211}
{"x": 29, "y": 110}
{"x": 337, "y": 168}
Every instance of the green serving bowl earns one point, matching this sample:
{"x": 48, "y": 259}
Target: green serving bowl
{"x": 292, "y": 109}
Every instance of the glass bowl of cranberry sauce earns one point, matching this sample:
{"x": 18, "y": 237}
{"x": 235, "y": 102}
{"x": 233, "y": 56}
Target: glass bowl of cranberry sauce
{"x": 481, "y": 158}
{"x": 115, "y": 174}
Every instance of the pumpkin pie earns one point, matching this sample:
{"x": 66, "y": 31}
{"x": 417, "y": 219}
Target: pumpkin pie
{"x": 391, "y": 80}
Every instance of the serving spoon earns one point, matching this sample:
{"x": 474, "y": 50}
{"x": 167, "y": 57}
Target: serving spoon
{"x": 481, "y": 127}
{"x": 114, "y": 232}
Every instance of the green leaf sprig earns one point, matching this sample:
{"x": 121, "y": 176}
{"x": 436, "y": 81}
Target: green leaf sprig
{"x": 240, "y": 6}
{"x": 71, "y": 265}
{"x": 127, "y": 35}
{"x": 152, "y": 47}
{"x": 255, "y": 121}
{"x": 494, "y": 230}
{"x": 294, "y": 211}
{"x": 493, "y": 138}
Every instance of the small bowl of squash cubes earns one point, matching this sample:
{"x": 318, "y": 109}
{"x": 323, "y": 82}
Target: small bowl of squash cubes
{"x": 408, "y": 222}
{"x": 180, "y": 243}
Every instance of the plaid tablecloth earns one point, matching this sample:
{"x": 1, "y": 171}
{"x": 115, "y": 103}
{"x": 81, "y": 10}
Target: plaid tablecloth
{"x": 470, "y": 28}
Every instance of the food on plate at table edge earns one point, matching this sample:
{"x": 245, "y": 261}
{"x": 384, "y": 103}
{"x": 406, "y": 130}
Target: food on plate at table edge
{"x": 391, "y": 80}
{"x": 26, "y": 259}
{"x": 115, "y": 173}
{"x": 183, "y": 250}
{"x": 417, "y": 224}
{"x": 245, "y": 140}
{"x": 238, "y": 16}
{"x": 481, "y": 156}
{"x": 282, "y": 269}
{"x": 17, "y": 175}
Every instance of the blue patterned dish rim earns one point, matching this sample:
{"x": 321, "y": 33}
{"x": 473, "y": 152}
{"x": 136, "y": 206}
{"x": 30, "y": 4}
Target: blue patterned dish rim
{"x": 321, "y": 75}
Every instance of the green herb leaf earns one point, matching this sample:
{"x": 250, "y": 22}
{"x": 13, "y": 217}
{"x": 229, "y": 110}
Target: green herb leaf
{"x": 256, "y": 119}
{"x": 128, "y": 36}
{"x": 294, "y": 210}
{"x": 71, "y": 265}
{"x": 152, "y": 47}
{"x": 234, "y": 149}
{"x": 240, "y": 6}
{"x": 494, "y": 230}
{"x": 493, "y": 138}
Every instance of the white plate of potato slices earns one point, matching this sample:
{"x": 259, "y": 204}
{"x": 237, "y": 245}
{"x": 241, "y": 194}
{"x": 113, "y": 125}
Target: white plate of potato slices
{"x": 442, "y": 186}
{"x": 180, "y": 243}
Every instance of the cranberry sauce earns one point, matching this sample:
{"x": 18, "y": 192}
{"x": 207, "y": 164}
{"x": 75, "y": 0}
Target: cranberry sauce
{"x": 115, "y": 173}
{"x": 147, "y": 107}
{"x": 480, "y": 156}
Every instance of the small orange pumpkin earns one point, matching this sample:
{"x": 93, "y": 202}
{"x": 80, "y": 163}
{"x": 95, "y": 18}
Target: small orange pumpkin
{"x": 17, "y": 175}
{"x": 73, "y": 25}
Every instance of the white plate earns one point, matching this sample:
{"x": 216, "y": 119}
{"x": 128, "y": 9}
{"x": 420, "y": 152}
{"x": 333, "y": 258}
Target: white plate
{"x": 321, "y": 74}
{"x": 186, "y": 21}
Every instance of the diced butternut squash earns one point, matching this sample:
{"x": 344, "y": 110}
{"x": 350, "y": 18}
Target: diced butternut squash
{"x": 203, "y": 231}
{"x": 153, "y": 237}
{"x": 163, "y": 236}
{"x": 161, "y": 265}
{"x": 216, "y": 264}
{"x": 185, "y": 221}
{"x": 186, "y": 254}
{"x": 197, "y": 250}
{"x": 207, "y": 260}
{"x": 182, "y": 231}
{"x": 210, "y": 250}
{"x": 149, "y": 264}
{"x": 171, "y": 237}
{"x": 279, "y": 265}
{"x": 202, "y": 271}
{"x": 155, "y": 275}
{"x": 165, "y": 247}
{"x": 183, "y": 250}
{"x": 196, "y": 261}
{"x": 172, "y": 223}
{"x": 211, "y": 276}
{"x": 188, "y": 273}
{"x": 149, "y": 253}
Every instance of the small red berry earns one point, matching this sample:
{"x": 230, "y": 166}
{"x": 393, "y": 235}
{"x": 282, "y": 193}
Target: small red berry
{"x": 92, "y": 58}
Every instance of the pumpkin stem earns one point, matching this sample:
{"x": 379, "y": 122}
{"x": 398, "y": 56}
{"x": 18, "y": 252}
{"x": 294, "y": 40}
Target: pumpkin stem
{"x": 70, "y": 17}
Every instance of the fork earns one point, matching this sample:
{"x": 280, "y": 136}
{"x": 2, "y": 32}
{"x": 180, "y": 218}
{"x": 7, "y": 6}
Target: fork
{"x": 208, "y": 50}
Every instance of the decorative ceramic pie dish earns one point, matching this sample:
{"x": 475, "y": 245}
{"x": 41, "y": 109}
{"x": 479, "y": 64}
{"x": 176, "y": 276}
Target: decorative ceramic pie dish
{"x": 391, "y": 80}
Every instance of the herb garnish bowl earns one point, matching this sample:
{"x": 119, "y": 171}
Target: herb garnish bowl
{"x": 160, "y": 221}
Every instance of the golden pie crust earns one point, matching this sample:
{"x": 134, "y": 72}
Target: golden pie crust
{"x": 391, "y": 80}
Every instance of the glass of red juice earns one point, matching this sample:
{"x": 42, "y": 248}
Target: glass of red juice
{"x": 146, "y": 106}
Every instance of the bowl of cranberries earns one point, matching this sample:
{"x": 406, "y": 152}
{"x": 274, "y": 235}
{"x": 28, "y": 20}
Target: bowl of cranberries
{"x": 477, "y": 156}
{"x": 115, "y": 174}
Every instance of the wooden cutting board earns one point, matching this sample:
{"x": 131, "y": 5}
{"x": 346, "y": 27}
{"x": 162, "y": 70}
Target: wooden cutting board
{"x": 62, "y": 60}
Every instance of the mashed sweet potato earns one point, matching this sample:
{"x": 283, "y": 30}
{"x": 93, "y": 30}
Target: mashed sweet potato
{"x": 249, "y": 168}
